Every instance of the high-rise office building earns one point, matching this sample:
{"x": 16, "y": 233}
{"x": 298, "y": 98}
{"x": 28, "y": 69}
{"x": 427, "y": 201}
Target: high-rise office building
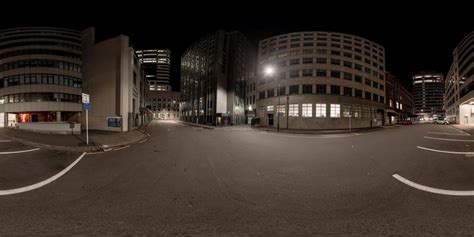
{"x": 156, "y": 64}
{"x": 459, "y": 84}
{"x": 428, "y": 92}
{"x": 214, "y": 71}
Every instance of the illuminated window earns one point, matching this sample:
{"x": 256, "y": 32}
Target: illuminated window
{"x": 346, "y": 111}
{"x": 270, "y": 108}
{"x": 281, "y": 109}
{"x": 335, "y": 110}
{"x": 307, "y": 110}
{"x": 357, "y": 111}
{"x": 293, "y": 110}
{"x": 320, "y": 110}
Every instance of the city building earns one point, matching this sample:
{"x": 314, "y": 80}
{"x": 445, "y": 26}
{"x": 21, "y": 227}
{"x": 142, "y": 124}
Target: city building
{"x": 459, "y": 83}
{"x": 428, "y": 94}
{"x": 320, "y": 80}
{"x": 116, "y": 85}
{"x": 41, "y": 78}
{"x": 398, "y": 101}
{"x": 214, "y": 71}
{"x": 164, "y": 104}
{"x": 156, "y": 64}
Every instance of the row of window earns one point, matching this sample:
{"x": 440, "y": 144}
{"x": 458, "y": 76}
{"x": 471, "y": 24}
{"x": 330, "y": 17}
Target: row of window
{"x": 40, "y": 63}
{"x": 40, "y": 97}
{"x": 40, "y": 51}
{"x": 41, "y": 78}
{"x": 324, "y": 73}
{"x": 321, "y": 89}
{"x": 42, "y": 35}
{"x": 40, "y": 43}
{"x": 305, "y": 110}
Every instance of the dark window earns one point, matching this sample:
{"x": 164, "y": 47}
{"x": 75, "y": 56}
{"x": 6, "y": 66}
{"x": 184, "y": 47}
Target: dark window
{"x": 335, "y": 61}
{"x": 321, "y": 60}
{"x": 347, "y": 76}
{"x": 321, "y": 89}
{"x": 335, "y": 74}
{"x": 307, "y": 60}
{"x": 368, "y": 81}
{"x": 307, "y": 89}
{"x": 375, "y": 97}
{"x": 270, "y": 93}
{"x": 294, "y": 61}
{"x": 294, "y": 89}
{"x": 335, "y": 90}
{"x": 261, "y": 95}
{"x": 307, "y": 72}
{"x": 368, "y": 95}
{"x": 358, "y": 78}
{"x": 294, "y": 73}
{"x": 282, "y": 90}
{"x": 321, "y": 73}
{"x": 358, "y": 93}
{"x": 347, "y": 91}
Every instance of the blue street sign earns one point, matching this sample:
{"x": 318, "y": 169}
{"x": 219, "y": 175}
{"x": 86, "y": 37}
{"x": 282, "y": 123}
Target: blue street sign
{"x": 87, "y": 106}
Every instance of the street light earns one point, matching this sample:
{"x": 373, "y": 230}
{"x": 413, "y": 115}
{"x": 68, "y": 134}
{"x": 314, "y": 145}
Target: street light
{"x": 269, "y": 72}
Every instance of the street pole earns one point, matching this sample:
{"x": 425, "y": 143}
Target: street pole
{"x": 278, "y": 107}
{"x": 87, "y": 126}
{"x": 350, "y": 122}
{"x": 287, "y": 110}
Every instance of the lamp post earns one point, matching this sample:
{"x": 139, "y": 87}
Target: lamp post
{"x": 269, "y": 72}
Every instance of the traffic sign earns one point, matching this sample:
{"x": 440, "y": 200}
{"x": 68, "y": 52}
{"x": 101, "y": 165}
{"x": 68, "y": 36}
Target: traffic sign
{"x": 85, "y": 98}
{"x": 87, "y": 106}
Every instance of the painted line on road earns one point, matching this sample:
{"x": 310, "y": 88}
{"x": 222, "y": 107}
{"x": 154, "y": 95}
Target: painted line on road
{"x": 16, "y": 152}
{"x": 324, "y": 136}
{"x": 448, "y": 139}
{"x": 42, "y": 183}
{"x": 95, "y": 153}
{"x": 451, "y": 134}
{"x": 447, "y": 152}
{"x": 5, "y": 140}
{"x": 433, "y": 190}
{"x": 116, "y": 149}
{"x": 142, "y": 141}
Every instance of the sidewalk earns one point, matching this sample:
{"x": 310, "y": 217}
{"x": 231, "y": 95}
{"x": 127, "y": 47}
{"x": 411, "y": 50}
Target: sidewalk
{"x": 464, "y": 127}
{"x": 97, "y": 139}
{"x": 320, "y": 131}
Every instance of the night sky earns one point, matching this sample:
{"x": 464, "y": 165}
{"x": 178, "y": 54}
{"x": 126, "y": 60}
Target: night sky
{"x": 416, "y": 38}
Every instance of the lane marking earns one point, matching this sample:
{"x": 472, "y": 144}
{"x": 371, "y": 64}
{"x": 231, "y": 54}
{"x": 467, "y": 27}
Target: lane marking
{"x": 142, "y": 141}
{"x": 447, "y": 152}
{"x": 5, "y": 140}
{"x": 326, "y": 136}
{"x": 451, "y": 134}
{"x": 95, "y": 153}
{"x": 117, "y": 149}
{"x": 42, "y": 183}
{"x": 448, "y": 139}
{"x": 16, "y": 152}
{"x": 433, "y": 190}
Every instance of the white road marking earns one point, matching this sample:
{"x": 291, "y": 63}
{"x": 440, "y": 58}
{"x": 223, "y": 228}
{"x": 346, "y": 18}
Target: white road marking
{"x": 42, "y": 183}
{"x": 116, "y": 149}
{"x": 451, "y": 134}
{"x": 447, "y": 152}
{"x": 16, "y": 152}
{"x": 447, "y": 139}
{"x": 433, "y": 190}
{"x": 318, "y": 136}
{"x": 142, "y": 141}
{"x": 95, "y": 153}
{"x": 5, "y": 140}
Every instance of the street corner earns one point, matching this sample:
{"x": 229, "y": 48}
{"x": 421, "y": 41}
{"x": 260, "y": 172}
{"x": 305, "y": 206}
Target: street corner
{"x": 24, "y": 168}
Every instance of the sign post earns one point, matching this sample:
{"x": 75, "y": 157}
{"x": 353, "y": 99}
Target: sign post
{"x": 87, "y": 106}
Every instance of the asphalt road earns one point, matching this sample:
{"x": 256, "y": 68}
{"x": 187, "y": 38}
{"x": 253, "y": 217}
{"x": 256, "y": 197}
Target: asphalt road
{"x": 187, "y": 180}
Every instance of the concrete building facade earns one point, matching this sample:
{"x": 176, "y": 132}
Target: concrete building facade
{"x": 428, "y": 95}
{"x": 320, "y": 80}
{"x": 459, "y": 83}
{"x": 398, "y": 101}
{"x": 214, "y": 71}
{"x": 164, "y": 104}
{"x": 41, "y": 77}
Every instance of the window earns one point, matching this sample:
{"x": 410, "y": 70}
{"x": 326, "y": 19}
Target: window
{"x": 307, "y": 110}
{"x": 270, "y": 108}
{"x": 321, "y": 73}
{"x": 368, "y": 81}
{"x": 358, "y": 78}
{"x": 335, "y": 110}
{"x": 375, "y": 84}
{"x": 308, "y": 51}
{"x": 294, "y": 89}
{"x": 367, "y": 112}
{"x": 261, "y": 95}
{"x": 335, "y": 52}
{"x": 321, "y": 44}
{"x": 375, "y": 97}
{"x": 368, "y": 95}
{"x": 347, "y": 76}
{"x": 281, "y": 110}
{"x": 347, "y": 55}
{"x": 321, "y": 60}
{"x": 346, "y": 111}
{"x": 357, "y": 112}
{"x": 321, "y": 89}
{"x": 382, "y": 87}
{"x": 358, "y": 67}
{"x": 335, "y": 74}
{"x": 295, "y": 61}
{"x": 307, "y": 60}
{"x": 282, "y": 90}
{"x": 347, "y": 91}
{"x": 294, "y": 45}
{"x": 382, "y": 99}
{"x": 293, "y": 110}
{"x": 390, "y": 103}
{"x": 321, "y": 51}
{"x": 320, "y": 110}
{"x": 357, "y": 93}
{"x": 347, "y": 64}
{"x": 335, "y": 61}
{"x": 335, "y": 90}
{"x": 307, "y": 89}
{"x": 307, "y": 72}
{"x": 308, "y": 44}
{"x": 270, "y": 93}
{"x": 294, "y": 73}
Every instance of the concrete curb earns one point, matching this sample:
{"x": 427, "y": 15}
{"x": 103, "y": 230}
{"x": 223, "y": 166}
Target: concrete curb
{"x": 459, "y": 129}
{"x": 72, "y": 148}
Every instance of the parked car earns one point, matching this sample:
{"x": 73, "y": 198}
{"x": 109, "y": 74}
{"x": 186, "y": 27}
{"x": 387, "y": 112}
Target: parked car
{"x": 441, "y": 121}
